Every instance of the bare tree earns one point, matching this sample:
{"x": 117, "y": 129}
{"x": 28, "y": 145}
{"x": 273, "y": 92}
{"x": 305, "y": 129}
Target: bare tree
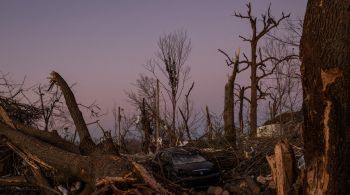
{"x": 49, "y": 106}
{"x": 241, "y": 98}
{"x": 174, "y": 49}
{"x": 146, "y": 127}
{"x": 284, "y": 85}
{"x": 187, "y": 112}
{"x": 258, "y": 61}
{"x": 146, "y": 88}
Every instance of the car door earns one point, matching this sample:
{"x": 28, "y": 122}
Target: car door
{"x": 165, "y": 164}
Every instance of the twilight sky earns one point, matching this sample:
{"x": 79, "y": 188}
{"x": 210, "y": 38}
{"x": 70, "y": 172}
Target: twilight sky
{"x": 102, "y": 45}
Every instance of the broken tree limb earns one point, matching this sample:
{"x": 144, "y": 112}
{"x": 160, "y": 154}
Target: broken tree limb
{"x": 33, "y": 163}
{"x": 6, "y": 118}
{"x": 89, "y": 169}
{"x": 86, "y": 143}
{"x": 15, "y": 181}
{"x": 283, "y": 167}
{"x": 148, "y": 179}
{"x": 48, "y": 137}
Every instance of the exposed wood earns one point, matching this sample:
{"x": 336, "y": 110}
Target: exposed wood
{"x": 272, "y": 163}
{"x": 283, "y": 167}
{"x": 6, "y": 118}
{"x": 148, "y": 179}
{"x": 325, "y": 56}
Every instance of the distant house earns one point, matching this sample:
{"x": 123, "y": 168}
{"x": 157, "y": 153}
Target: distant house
{"x": 271, "y": 130}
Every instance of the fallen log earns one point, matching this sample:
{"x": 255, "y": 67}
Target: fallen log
{"x": 99, "y": 167}
{"x": 48, "y": 137}
{"x": 20, "y": 181}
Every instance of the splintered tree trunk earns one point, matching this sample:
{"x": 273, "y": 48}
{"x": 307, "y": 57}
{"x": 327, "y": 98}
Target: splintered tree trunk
{"x": 325, "y": 54}
{"x": 229, "y": 125}
{"x": 283, "y": 167}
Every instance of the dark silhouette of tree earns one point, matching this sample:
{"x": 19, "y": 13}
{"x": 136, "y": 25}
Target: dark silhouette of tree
{"x": 174, "y": 49}
{"x": 258, "y": 61}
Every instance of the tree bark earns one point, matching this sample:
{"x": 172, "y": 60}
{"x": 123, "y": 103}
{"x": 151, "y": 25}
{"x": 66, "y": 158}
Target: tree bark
{"x": 94, "y": 170}
{"x": 146, "y": 127}
{"x": 229, "y": 123}
{"x": 325, "y": 55}
{"x": 48, "y": 137}
{"x": 253, "y": 84}
{"x": 240, "y": 113}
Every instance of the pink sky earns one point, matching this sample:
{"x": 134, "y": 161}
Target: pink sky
{"x": 102, "y": 45}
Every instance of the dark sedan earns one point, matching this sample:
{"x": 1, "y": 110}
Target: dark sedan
{"x": 185, "y": 166}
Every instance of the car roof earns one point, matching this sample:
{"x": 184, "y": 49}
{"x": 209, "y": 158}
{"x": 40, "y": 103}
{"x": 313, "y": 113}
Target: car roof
{"x": 181, "y": 150}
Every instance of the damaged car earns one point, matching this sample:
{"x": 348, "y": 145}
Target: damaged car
{"x": 185, "y": 166}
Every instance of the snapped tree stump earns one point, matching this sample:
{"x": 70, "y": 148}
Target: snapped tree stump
{"x": 283, "y": 167}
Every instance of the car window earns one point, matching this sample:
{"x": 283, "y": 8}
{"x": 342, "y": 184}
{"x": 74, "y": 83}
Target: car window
{"x": 185, "y": 158}
{"x": 164, "y": 157}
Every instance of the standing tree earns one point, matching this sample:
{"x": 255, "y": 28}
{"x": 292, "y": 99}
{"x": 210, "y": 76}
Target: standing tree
{"x": 258, "y": 61}
{"x": 174, "y": 49}
{"x": 146, "y": 128}
{"x": 241, "y": 99}
{"x": 325, "y": 55}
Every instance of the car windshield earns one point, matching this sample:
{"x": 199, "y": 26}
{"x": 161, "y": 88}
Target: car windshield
{"x": 179, "y": 159}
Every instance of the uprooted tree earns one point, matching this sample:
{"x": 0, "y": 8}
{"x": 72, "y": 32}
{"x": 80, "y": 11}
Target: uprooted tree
{"x": 99, "y": 167}
{"x": 325, "y": 55}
